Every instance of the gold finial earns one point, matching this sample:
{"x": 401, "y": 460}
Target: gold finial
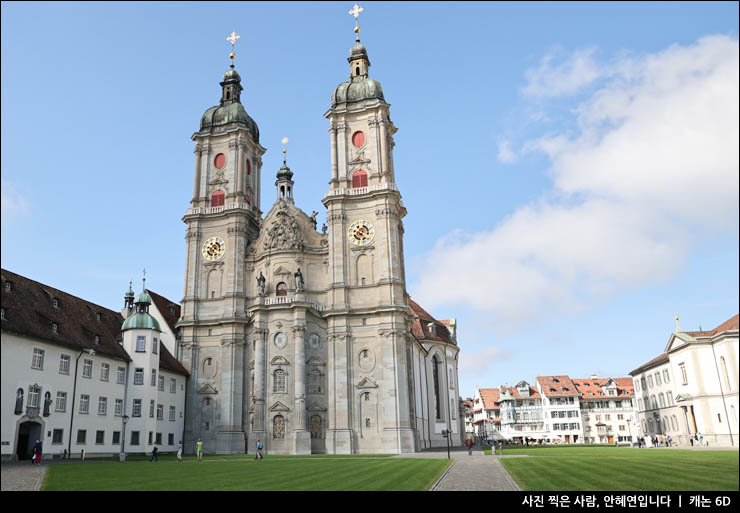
{"x": 143, "y": 281}
{"x": 285, "y": 149}
{"x": 232, "y": 39}
{"x": 356, "y": 10}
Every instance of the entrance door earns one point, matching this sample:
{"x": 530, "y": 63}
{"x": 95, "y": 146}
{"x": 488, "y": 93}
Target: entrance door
{"x": 28, "y": 433}
{"x": 611, "y": 439}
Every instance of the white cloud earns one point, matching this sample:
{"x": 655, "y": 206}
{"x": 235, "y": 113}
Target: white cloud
{"x": 12, "y": 202}
{"x": 505, "y": 154}
{"x": 652, "y": 168}
{"x": 548, "y": 80}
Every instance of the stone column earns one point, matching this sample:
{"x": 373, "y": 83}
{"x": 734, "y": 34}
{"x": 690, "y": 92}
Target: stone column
{"x": 240, "y": 171}
{"x": 196, "y": 180}
{"x": 302, "y": 438}
{"x": 383, "y": 147}
{"x": 339, "y": 436}
{"x": 334, "y": 164}
{"x": 342, "y": 168}
{"x": 259, "y": 387}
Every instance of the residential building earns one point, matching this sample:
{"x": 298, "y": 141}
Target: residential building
{"x": 607, "y": 409}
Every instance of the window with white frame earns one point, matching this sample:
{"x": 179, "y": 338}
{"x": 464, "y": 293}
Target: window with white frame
{"x": 657, "y": 378}
{"x": 61, "y": 404}
{"x": 151, "y": 408}
{"x": 136, "y": 410}
{"x": 661, "y": 400}
{"x": 161, "y": 383}
{"x": 155, "y": 346}
{"x": 104, "y": 371}
{"x": 669, "y": 394}
{"x": 315, "y": 382}
{"x": 58, "y": 436}
{"x": 102, "y": 406}
{"x": 666, "y": 376}
{"x": 173, "y": 385}
{"x": 121, "y": 375}
{"x": 34, "y": 396}
{"x": 684, "y": 376}
{"x": 160, "y": 412}
{"x": 172, "y": 413}
{"x": 64, "y": 363}
{"x": 116, "y": 438}
{"x": 139, "y": 377}
{"x": 140, "y": 344}
{"x": 87, "y": 366}
{"x": 54, "y": 327}
{"x": 278, "y": 381}
{"x": 154, "y": 377}
{"x": 84, "y": 403}
{"x": 119, "y": 408}
{"x": 37, "y": 361}
{"x": 81, "y": 436}
{"x": 650, "y": 381}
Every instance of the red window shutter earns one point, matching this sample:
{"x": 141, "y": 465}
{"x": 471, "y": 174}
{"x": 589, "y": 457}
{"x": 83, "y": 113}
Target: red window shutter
{"x": 220, "y": 160}
{"x": 359, "y": 179}
{"x": 217, "y": 200}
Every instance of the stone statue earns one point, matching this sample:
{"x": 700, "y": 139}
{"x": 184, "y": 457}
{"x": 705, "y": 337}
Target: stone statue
{"x": 298, "y": 280}
{"x": 47, "y": 404}
{"x": 313, "y": 218}
{"x": 261, "y": 284}
{"x": 19, "y": 401}
{"x": 324, "y": 228}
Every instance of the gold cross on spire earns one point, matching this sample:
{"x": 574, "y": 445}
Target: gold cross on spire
{"x": 356, "y": 10}
{"x": 285, "y": 149}
{"x": 232, "y": 39}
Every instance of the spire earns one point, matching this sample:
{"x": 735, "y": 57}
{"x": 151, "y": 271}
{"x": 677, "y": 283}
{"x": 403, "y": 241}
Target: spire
{"x": 358, "y": 60}
{"x": 232, "y": 39}
{"x": 128, "y": 298}
{"x": 231, "y": 85}
{"x": 356, "y": 10}
{"x": 678, "y": 326}
{"x": 284, "y": 181}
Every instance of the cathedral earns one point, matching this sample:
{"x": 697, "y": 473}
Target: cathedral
{"x": 305, "y": 338}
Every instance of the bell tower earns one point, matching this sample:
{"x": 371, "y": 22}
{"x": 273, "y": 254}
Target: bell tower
{"x": 367, "y": 311}
{"x": 224, "y": 217}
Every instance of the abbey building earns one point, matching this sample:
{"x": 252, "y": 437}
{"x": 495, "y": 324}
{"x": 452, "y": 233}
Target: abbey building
{"x": 304, "y": 339}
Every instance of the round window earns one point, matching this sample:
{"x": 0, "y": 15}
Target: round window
{"x": 219, "y": 161}
{"x": 358, "y": 139}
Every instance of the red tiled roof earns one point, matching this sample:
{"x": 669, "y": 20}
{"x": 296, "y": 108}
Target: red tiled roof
{"x": 29, "y": 311}
{"x": 592, "y": 387}
{"x": 557, "y": 386}
{"x": 169, "y": 362}
{"x": 533, "y": 393}
{"x": 729, "y": 325}
{"x": 420, "y": 329}
{"x": 169, "y": 309}
{"x": 655, "y": 361}
{"x": 490, "y": 397}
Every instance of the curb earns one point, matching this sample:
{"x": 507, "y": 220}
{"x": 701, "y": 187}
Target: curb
{"x": 508, "y": 478}
{"x": 441, "y": 478}
{"x": 40, "y": 479}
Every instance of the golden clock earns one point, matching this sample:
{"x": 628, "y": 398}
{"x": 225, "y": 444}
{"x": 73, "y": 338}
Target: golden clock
{"x": 361, "y": 233}
{"x": 213, "y": 249}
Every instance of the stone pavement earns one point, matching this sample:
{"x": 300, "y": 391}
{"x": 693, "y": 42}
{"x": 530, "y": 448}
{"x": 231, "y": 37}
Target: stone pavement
{"x": 470, "y": 473}
{"x": 21, "y": 477}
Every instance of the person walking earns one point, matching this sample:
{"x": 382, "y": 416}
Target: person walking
{"x": 469, "y": 445}
{"x": 259, "y": 455}
{"x": 199, "y": 449}
{"x": 155, "y": 453}
{"x": 38, "y": 449}
{"x": 179, "y": 450}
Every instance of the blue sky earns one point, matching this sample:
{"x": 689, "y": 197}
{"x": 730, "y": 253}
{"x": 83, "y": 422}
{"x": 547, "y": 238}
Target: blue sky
{"x": 570, "y": 170}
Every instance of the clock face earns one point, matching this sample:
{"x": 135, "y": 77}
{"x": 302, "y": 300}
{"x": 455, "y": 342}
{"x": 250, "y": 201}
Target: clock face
{"x": 213, "y": 249}
{"x": 361, "y": 233}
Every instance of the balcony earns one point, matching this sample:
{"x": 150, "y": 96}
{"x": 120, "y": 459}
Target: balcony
{"x": 286, "y": 300}
{"x": 357, "y": 191}
{"x": 217, "y": 210}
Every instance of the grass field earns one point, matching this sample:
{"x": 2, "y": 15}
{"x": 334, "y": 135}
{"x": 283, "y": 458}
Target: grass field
{"x": 359, "y": 473}
{"x": 621, "y": 468}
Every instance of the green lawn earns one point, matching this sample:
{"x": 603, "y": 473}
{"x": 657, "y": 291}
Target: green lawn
{"x": 244, "y": 473}
{"x": 621, "y": 468}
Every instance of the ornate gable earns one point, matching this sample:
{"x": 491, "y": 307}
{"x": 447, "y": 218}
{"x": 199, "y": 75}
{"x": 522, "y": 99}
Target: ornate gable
{"x": 278, "y": 406}
{"x": 207, "y": 389}
{"x": 366, "y": 383}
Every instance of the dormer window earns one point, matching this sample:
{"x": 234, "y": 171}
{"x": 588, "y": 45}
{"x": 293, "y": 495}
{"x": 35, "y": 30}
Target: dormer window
{"x": 54, "y": 327}
{"x": 97, "y": 339}
{"x": 8, "y": 286}
{"x": 555, "y": 380}
{"x": 55, "y": 303}
{"x": 97, "y": 316}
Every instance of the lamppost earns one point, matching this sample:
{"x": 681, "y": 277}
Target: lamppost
{"x": 122, "y": 456}
{"x": 446, "y": 433}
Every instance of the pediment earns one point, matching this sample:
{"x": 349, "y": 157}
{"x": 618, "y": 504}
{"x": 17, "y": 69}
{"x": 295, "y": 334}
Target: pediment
{"x": 366, "y": 383}
{"x": 315, "y": 407}
{"x": 678, "y": 339}
{"x": 207, "y": 389}
{"x": 281, "y": 271}
{"x": 316, "y": 361}
{"x": 278, "y": 406}
{"x": 279, "y": 360}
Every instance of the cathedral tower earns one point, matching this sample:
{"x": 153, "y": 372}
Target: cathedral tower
{"x": 224, "y": 217}
{"x": 367, "y": 310}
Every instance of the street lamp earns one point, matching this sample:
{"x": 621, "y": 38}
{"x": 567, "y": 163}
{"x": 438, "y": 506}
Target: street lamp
{"x": 446, "y": 433}
{"x": 122, "y": 456}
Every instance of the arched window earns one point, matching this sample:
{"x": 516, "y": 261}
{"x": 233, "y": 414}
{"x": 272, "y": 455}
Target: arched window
{"x": 316, "y": 426}
{"x": 452, "y": 408}
{"x": 653, "y": 402}
{"x": 281, "y": 289}
{"x": 661, "y": 400}
{"x": 435, "y": 377}
{"x": 278, "y": 381}
{"x": 639, "y": 404}
{"x": 674, "y": 423}
{"x": 248, "y": 166}
{"x": 670, "y": 398}
{"x": 278, "y": 427}
{"x": 314, "y": 382}
{"x": 228, "y": 94}
{"x": 359, "y": 179}
{"x": 217, "y": 199}
{"x": 357, "y": 70}
{"x": 450, "y": 377}
{"x": 723, "y": 365}
{"x": 650, "y": 426}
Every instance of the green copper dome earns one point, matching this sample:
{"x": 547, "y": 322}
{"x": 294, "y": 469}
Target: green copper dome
{"x": 232, "y": 113}
{"x": 140, "y": 320}
{"x": 284, "y": 173}
{"x": 143, "y": 298}
{"x": 129, "y": 292}
{"x": 232, "y": 75}
{"x": 355, "y": 92}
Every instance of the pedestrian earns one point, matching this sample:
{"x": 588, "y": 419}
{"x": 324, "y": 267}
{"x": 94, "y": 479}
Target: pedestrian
{"x": 700, "y": 438}
{"x": 469, "y": 445}
{"x": 179, "y": 450}
{"x": 155, "y": 452}
{"x": 259, "y": 451}
{"x": 691, "y": 439}
{"x": 199, "y": 449}
{"x": 38, "y": 449}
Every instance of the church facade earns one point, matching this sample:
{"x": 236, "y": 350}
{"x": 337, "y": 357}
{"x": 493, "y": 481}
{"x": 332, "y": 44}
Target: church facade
{"x": 302, "y": 338}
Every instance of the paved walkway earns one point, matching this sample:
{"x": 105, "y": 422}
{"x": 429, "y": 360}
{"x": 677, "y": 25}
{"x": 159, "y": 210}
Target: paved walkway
{"x": 470, "y": 473}
{"x": 22, "y": 477}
